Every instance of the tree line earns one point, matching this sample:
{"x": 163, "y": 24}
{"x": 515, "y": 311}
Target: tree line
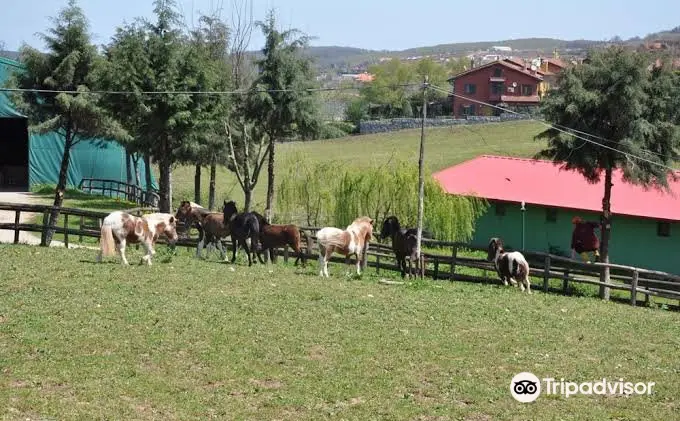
{"x": 395, "y": 92}
{"x": 179, "y": 123}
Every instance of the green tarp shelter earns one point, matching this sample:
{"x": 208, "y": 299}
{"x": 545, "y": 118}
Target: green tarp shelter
{"x": 28, "y": 159}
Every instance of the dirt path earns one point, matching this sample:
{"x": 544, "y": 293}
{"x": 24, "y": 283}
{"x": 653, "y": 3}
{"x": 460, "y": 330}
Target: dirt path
{"x": 7, "y": 236}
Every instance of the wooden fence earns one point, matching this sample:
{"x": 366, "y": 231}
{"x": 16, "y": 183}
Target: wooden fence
{"x": 119, "y": 189}
{"x": 438, "y": 265}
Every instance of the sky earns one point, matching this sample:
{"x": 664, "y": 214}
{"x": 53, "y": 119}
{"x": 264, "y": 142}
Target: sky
{"x": 378, "y": 24}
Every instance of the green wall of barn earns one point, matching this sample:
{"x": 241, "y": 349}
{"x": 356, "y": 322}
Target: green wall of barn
{"x": 634, "y": 241}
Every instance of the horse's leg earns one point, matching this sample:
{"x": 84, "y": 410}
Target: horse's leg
{"x": 121, "y": 249}
{"x": 149, "y": 252}
{"x": 199, "y": 246}
{"x": 247, "y": 249}
{"x": 322, "y": 253}
{"x": 234, "y": 246}
{"x": 220, "y": 247}
{"x": 327, "y": 257}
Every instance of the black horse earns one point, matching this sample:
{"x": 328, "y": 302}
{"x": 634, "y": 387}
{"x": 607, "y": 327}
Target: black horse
{"x": 404, "y": 243}
{"x": 243, "y": 226}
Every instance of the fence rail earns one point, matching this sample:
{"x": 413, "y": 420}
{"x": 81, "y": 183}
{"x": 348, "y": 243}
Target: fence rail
{"x": 444, "y": 265}
{"x": 119, "y": 189}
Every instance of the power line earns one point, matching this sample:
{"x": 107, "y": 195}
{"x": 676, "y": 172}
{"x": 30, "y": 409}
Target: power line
{"x": 550, "y": 125}
{"x": 237, "y": 92}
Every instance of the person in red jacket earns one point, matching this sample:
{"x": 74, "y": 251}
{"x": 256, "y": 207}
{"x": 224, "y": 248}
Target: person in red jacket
{"x": 583, "y": 239}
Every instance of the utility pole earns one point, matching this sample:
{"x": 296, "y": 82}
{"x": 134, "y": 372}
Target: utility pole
{"x": 421, "y": 181}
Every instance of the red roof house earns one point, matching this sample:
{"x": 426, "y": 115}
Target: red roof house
{"x": 499, "y": 83}
{"x": 643, "y": 220}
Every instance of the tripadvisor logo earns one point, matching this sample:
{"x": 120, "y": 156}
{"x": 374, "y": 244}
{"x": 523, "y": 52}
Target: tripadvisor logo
{"x": 525, "y": 387}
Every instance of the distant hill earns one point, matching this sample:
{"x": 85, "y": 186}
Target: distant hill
{"x": 344, "y": 58}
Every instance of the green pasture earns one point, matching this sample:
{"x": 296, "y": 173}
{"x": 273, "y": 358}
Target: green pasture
{"x": 444, "y": 147}
{"x": 187, "y": 339}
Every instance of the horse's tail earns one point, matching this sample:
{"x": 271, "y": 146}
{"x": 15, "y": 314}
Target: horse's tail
{"x": 106, "y": 242}
{"x": 254, "y": 232}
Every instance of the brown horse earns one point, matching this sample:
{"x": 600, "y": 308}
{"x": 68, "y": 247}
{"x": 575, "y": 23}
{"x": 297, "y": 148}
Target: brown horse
{"x": 210, "y": 225}
{"x": 352, "y": 240}
{"x": 280, "y": 235}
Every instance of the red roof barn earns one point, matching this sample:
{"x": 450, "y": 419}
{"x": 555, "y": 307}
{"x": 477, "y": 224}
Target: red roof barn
{"x": 642, "y": 219}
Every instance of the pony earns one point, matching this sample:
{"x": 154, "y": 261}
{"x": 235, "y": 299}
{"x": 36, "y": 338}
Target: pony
{"x": 243, "y": 226}
{"x": 120, "y": 228}
{"x": 352, "y": 240}
{"x": 281, "y": 235}
{"x": 509, "y": 265}
{"x": 404, "y": 243}
{"x": 210, "y": 225}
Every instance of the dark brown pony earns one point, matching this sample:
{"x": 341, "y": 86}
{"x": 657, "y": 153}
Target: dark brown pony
{"x": 210, "y": 225}
{"x": 280, "y": 235}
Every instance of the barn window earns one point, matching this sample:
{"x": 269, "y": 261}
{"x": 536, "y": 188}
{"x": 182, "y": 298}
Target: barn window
{"x": 470, "y": 88}
{"x": 497, "y": 72}
{"x": 551, "y": 215}
{"x": 497, "y": 88}
{"x": 663, "y": 229}
{"x": 527, "y": 90}
{"x": 467, "y": 109}
{"x": 500, "y": 209}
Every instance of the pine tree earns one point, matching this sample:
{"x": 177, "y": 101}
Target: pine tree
{"x": 68, "y": 65}
{"x": 280, "y": 100}
{"x": 627, "y": 112}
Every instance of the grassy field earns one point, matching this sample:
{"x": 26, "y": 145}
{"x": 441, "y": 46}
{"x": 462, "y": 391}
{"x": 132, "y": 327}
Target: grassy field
{"x": 188, "y": 339}
{"x": 444, "y": 147}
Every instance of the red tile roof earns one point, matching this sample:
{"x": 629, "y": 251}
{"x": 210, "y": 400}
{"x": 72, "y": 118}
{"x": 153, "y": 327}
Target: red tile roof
{"x": 502, "y": 63}
{"x": 543, "y": 183}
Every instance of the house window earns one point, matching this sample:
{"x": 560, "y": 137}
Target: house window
{"x": 551, "y": 215}
{"x": 527, "y": 90}
{"x": 500, "y": 209}
{"x": 663, "y": 229}
{"x": 497, "y": 88}
{"x": 497, "y": 72}
{"x": 470, "y": 88}
{"x": 467, "y": 109}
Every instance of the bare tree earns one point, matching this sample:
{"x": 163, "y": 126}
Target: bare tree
{"x": 247, "y": 153}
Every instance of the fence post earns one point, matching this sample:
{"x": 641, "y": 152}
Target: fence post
{"x": 436, "y": 267}
{"x": 546, "y": 273}
{"x": 82, "y": 224}
{"x": 377, "y": 263}
{"x": 565, "y": 281}
{"x": 285, "y": 254}
{"x": 454, "y": 257}
{"x": 17, "y": 218}
{"x": 43, "y": 234}
{"x": 633, "y": 289}
{"x": 66, "y": 230}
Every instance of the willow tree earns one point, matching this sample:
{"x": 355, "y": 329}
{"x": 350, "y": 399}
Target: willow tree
{"x": 614, "y": 97}
{"x": 336, "y": 196}
{"x": 67, "y": 67}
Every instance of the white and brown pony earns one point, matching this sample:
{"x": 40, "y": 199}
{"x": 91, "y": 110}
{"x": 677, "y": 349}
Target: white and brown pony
{"x": 120, "y": 228}
{"x": 353, "y": 240}
{"x": 510, "y": 266}
{"x": 211, "y": 227}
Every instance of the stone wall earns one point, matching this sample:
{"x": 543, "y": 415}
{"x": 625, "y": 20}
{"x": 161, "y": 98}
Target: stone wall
{"x": 381, "y": 126}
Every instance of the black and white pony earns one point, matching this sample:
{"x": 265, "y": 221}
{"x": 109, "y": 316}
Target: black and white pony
{"x": 510, "y": 266}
